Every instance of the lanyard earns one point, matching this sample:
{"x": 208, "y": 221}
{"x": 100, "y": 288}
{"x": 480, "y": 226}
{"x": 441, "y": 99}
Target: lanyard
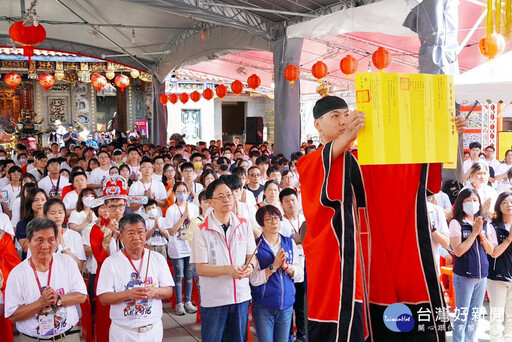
{"x": 53, "y": 185}
{"x": 37, "y": 278}
{"x": 16, "y": 189}
{"x": 298, "y": 223}
{"x": 150, "y": 184}
{"x": 181, "y": 214}
{"x": 131, "y": 262}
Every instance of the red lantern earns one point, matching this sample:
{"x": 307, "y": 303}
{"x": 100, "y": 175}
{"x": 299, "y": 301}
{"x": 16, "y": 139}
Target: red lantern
{"x": 319, "y": 70}
{"x": 47, "y": 81}
{"x": 291, "y": 73}
{"x": 173, "y": 98}
{"x": 491, "y": 45}
{"x": 381, "y": 58}
{"x": 184, "y": 98}
{"x": 221, "y": 91}
{"x": 208, "y": 94}
{"x": 98, "y": 81}
{"x": 122, "y": 82}
{"x": 12, "y": 79}
{"x": 163, "y": 99}
{"x": 195, "y": 96}
{"x": 28, "y": 36}
{"x": 237, "y": 87}
{"x": 348, "y": 65}
{"x": 254, "y": 81}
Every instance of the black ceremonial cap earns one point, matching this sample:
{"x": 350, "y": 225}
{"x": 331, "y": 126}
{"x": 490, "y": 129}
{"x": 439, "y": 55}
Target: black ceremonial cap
{"x": 328, "y": 103}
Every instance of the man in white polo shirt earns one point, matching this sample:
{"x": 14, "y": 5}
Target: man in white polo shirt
{"x": 133, "y": 282}
{"x": 221, "y": 251}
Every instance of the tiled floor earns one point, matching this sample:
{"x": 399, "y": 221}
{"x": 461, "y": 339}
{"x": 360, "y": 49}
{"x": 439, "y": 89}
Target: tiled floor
{"x": 184, "y": 328}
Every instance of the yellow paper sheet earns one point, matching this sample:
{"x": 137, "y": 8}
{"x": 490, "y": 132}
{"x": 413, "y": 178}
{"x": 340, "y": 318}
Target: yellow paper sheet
{"x": 504, "y": 144}
{"x": 409, "y": 118}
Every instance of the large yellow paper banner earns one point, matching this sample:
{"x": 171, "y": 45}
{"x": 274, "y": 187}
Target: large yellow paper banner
{"x": 409, "y": 118}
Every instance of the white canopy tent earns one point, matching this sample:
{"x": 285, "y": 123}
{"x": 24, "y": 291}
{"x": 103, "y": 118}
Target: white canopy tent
{"x": 489, "y": 81}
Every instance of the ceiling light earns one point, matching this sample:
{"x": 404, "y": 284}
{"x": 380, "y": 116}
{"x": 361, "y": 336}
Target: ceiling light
{"x": 133, "y": 36}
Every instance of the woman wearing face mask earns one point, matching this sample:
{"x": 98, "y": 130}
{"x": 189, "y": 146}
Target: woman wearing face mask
{"x": 156, "y": 236}
{"x": 470, "y": 238}
{"x": 83, "y": 216}
{"x": 478, "y": 179}
{"x": 177, "y": 219}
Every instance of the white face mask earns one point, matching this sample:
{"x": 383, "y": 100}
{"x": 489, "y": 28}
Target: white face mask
{"x": 152, "y": 212}
{"x": 87, "y": 201}
{"x": 181, "y": 197}
{"x": 470, "y": 208}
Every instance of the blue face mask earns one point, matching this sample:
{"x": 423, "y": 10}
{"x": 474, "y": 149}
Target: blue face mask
{"x": 181, "y": 197}
{"x": 286, "y": 168}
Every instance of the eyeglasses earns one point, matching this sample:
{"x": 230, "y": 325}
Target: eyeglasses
{"x": 272, "y": 219}
{"x": 223, "y": 197}
{"x": 117, "y": 207}
{"x": 254, "y": 174}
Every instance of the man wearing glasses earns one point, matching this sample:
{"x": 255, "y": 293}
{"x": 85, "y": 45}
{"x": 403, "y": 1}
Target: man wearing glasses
{"x": 222, "y": 251}
{"x": 253, "y": 182}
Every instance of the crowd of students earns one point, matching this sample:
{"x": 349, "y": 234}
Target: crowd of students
{"x": 204, "y": 208}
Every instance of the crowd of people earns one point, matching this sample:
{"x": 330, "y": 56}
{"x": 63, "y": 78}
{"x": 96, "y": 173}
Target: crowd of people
{"x": 123, "y": 226}
{"x": 106, "y": 224}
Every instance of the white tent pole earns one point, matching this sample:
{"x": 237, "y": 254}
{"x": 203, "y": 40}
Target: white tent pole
{"x": 473, "y": 29}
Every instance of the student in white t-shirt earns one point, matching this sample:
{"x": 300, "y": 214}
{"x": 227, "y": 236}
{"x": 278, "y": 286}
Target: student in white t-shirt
{"x": 177, "y": 218}
{"x": 83, "y": 216}
{"x": 12, "y": 189}
{"x": 99, "y": 174}
{"x": 69, "y": 242}
{"x": 149, "y": 187}
{"x": 54, "y": 182}
{"x": 156, "y": 237}
{"x": 133, "y": 283}
{"x": 79, "y": 181}
{"x": 42, "y": 292}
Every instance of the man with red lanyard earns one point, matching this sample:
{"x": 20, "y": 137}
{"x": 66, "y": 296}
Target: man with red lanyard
{"x": 290, "y": 226}
{"x": 148, "y": 187}
{"x": 221, "y": 251}
{"x": 54, "y": 182}
{"x": 133, "y": 282}
{"x": 43, "y": 291}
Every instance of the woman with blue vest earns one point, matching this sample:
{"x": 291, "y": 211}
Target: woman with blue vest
{"x": 277, "y": 266}
{"x": 471, "y": 238}
{"x": 499, "y": 284}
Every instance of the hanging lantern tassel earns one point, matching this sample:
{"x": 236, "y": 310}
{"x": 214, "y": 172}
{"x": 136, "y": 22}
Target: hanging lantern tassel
{"x": 381, "y": 58}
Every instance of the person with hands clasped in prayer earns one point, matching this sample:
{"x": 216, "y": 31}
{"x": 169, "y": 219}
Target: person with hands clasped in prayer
{"x": 105, "y": 240}
{"x": 222, "y": 249}
{"x": 42, "y": 291}
{"x": 177, "y": 219}
{"x": 278, "y": 265}
{"x": 133, "y": 282}
{"x": 471, "y": 238}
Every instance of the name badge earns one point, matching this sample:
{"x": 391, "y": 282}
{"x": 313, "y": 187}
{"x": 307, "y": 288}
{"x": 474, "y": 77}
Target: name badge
{"x": 46, "y": 325}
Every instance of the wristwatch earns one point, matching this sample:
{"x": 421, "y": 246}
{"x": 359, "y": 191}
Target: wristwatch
{"x": 433, "y": 229}
{"x": 59, "y": 301}
{"x": 272, "y": 268}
